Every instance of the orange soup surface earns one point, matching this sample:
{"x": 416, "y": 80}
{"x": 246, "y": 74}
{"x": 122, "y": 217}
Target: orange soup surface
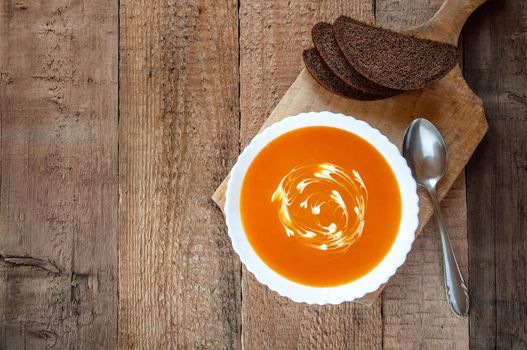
{"x": 320, "y": 206}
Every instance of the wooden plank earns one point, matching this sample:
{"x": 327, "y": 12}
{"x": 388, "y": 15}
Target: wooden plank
{"x": 272, "y": 36}
{"x": 403, "y": 14}
{"x": 495, "y": 67}
{"x": 58, "y": 174}
{"x": 416, "y": 314}
{"x": 179, "y": 129}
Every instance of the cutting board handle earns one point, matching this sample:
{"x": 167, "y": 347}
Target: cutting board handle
{"x": 448, "y": 21}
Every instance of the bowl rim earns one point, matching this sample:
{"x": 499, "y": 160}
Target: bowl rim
{"x": 376, "y": 277}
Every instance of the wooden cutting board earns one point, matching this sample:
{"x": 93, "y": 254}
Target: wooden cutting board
{"x": 449, "y": 103}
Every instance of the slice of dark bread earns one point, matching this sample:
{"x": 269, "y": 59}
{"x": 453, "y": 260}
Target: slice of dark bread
{"x": 392, "y": 59}
{"x": 328, "y": 48}
{"x": 325, "y": 77}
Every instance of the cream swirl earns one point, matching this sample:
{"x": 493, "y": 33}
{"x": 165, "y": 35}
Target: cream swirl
{"x": 322, "y": 206}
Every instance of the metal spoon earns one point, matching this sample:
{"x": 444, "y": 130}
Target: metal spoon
{"x": 425, "y": 151}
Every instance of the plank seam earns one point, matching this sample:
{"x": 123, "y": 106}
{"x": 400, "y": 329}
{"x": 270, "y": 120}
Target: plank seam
{"x": 118, "y": 209}
{"x": 495, "y": 219}
{"x": 238, "y": 6}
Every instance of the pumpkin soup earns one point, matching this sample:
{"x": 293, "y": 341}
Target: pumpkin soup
{"x": 320, "y": 206}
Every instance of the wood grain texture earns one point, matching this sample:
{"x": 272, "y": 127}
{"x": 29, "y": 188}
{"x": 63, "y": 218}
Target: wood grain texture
{"x": 58, "y": 174}
{"x": 495, "y": 66}
{"x": 181, "y": 285}
{"x": 416, "y": 314}
{"x": 179, "y": 129}
{"x": 272, "y": 36}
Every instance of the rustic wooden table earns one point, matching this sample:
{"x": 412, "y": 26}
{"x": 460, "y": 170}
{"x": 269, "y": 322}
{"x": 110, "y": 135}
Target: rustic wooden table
{"x": 118, "y": 119}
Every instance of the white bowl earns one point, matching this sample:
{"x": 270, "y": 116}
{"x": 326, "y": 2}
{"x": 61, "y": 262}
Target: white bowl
{"x": 361, "y": 286}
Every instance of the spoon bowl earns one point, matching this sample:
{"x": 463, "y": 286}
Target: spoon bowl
{"x": 425, "y": 151}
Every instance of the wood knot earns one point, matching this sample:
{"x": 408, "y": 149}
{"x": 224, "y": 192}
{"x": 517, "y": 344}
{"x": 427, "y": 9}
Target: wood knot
{"x": 20, "y": 6}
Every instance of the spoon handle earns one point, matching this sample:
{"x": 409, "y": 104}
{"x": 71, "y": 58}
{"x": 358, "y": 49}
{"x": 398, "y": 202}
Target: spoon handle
{"x": 456, "y": 290}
